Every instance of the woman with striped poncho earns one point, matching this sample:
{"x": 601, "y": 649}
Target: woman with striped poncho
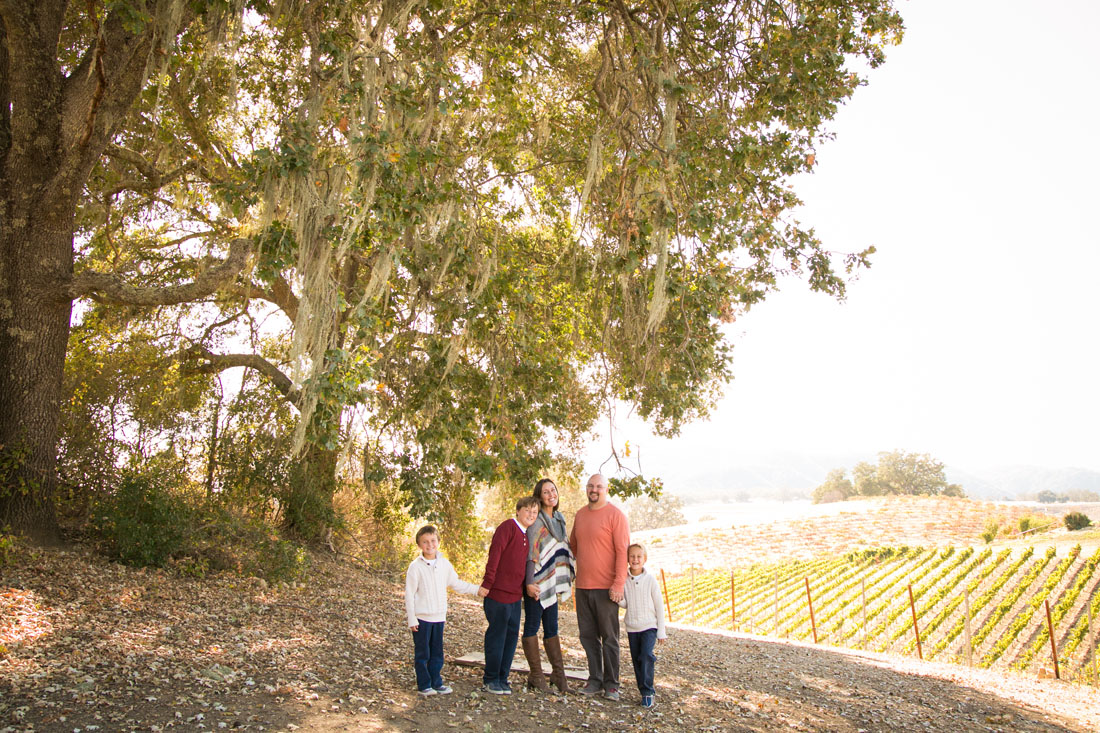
{"x": 550, "y": 572}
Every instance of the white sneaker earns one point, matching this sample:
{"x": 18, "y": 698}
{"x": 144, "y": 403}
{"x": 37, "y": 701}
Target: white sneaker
{"x": 444, "y": 690}
{"x": 427, "y": 693}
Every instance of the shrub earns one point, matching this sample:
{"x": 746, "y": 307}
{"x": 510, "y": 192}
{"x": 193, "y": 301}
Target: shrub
{"x": 142, "y": 522}
{"x": 230, "y": 540}
{"x": 1076, "y": 520}
{"x": 150, "y": 520}
{"x": 377, "y": 525}
{"x": 1032, "y": 524}
{"x": 992, "y": 527}
{"x": 7, "y": 547}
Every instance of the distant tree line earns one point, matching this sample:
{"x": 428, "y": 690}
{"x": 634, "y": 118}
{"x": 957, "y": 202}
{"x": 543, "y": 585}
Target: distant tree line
{"x": 896, "y": 473}
{"x": 645, "y": 512}
{"x": 1046, "y": 496}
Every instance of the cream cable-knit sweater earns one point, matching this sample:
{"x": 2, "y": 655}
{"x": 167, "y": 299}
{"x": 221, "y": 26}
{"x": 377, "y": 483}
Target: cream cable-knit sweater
{"x": 426, "y": 585}
{"x": 645, "y": 608}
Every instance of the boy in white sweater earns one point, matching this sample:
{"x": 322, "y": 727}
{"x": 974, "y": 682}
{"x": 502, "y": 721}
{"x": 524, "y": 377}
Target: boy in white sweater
{"x": 644, "y": 621}
{"x": 426, "y": 583}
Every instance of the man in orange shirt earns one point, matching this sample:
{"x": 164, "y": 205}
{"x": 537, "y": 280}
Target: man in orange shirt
{"x": 599, "y": 540}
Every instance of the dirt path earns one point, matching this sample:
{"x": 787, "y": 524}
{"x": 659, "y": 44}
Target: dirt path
{"x": 88, "y": 645}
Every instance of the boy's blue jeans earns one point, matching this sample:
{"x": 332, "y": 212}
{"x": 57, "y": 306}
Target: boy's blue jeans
{"x": 500, "y": 639}
{"x": 641, "y": 652}
{"x": 428, "y": 654}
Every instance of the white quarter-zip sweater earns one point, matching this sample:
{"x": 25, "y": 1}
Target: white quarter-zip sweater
{"x": 426, "y": 585}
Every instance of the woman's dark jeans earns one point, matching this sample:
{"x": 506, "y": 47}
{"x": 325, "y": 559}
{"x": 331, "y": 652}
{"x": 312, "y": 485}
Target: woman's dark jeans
{"x": 533, "y": 613}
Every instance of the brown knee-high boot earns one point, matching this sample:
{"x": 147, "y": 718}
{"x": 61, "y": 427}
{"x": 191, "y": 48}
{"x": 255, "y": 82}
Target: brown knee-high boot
{"x": 535, "y": 679}
{"x": 557, "y": 664}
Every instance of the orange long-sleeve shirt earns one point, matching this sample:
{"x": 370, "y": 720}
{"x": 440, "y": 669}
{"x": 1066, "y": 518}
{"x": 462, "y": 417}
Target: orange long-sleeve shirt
{"x": 599, "y": 540}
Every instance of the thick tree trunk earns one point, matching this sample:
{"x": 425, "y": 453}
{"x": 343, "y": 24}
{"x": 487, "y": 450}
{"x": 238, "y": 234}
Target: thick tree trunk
{"x": 53, "y": 128}
{"x": 36, "y": 262}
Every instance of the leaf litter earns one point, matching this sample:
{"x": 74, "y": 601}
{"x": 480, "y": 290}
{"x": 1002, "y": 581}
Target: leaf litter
{"x": 89, "y": 645}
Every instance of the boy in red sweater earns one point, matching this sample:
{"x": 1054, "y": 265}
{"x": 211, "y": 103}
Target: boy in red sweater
{"x": 505, "y": 571}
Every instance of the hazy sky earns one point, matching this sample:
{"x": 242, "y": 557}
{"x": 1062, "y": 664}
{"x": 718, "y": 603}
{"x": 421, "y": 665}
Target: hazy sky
{"x": 970, "y": 161}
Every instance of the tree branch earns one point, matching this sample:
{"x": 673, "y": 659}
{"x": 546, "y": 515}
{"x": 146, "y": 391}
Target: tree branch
{"x": 107, "y": 287}
{"x": 201, "y": 360}
{"x": 280, "y": 295}
{"x": 154, "y": 179}
{"x": 100, "y": 90}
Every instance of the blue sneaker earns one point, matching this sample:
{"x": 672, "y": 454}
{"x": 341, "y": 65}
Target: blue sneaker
{"x": 647, "y": 702}
{"x": 494, "y": 688}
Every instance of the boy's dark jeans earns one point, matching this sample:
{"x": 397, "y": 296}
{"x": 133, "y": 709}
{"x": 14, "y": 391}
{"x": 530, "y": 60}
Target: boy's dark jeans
{"x": 641, "y": 651}
{"x": 500, "y": 639}
{"x": 428, "y": 654}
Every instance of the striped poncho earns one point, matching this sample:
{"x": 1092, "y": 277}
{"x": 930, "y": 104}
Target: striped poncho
{"x": 550, "y": 564}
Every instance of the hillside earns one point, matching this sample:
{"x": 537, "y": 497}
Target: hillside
{"x": 840, "y": 528}
{"x": 93, "y": 646}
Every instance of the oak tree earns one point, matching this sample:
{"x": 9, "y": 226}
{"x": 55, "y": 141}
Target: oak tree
{"x": 460, "y": 228}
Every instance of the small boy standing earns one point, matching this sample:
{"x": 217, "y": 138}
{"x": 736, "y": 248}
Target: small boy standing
{"x": 644, "y": 621}
{"x": 505, "y": 572}
{"x": 426, "y": 583}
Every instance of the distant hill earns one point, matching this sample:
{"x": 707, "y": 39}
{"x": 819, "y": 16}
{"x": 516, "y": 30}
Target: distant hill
{"x": 794, "y": 475}
{"x": 1015, "y": 481}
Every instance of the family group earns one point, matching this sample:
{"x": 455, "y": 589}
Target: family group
{"x": 533, "y": 563}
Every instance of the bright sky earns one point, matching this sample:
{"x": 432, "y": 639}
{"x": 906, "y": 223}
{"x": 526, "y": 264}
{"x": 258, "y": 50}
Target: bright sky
{"x": 968, "y": 162}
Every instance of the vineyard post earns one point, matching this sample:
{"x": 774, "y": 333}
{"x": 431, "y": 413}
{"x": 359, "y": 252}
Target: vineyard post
{"x": 693, "y": 595}
{"x": 916, "y": 631}
{"x": 810, "y": 603}
{"x": 668, "y": 606}
{"x": 733, "y": 601}
{"x": 1092, "y": 640}
{"x": 969, "y": 643}
{"x": 1053, "y": 641}
{"x": 776, "y": 632}
{"x": 863, "y": 594}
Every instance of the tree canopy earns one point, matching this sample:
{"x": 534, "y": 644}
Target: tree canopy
{"x": 446, "y": 234}
{"x": 897, "y": 473}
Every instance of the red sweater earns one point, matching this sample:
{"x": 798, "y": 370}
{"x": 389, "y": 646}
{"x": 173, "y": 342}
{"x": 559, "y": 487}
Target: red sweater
{"x": 506, "y": 567}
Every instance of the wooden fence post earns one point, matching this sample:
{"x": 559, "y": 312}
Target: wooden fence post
{"x": 1053, "y": 641}
{"x": 969, "y": 641}
{"x": 668, "y": 606}
{"x": 810, "y": 602}
{"x": 916, "y": 631}
{"x": 733, "y": 601}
